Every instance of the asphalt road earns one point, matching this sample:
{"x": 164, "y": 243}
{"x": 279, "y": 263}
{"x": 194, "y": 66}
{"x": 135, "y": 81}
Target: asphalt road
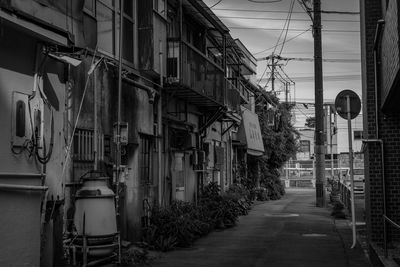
{"x": 286, "y": 232}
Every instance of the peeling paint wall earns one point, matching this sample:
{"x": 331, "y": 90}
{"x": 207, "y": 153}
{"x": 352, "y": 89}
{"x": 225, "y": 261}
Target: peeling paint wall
{"x": 21, "y": 210}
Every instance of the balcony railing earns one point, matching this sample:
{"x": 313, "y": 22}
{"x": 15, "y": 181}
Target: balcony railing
{"x": 233, "y": 97}
{"x": 194, "y": 70}
{"x": 238, "y": 84}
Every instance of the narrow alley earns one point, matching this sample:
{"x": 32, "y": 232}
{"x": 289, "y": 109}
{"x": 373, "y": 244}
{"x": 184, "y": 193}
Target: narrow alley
{"x": 287, "y": 232}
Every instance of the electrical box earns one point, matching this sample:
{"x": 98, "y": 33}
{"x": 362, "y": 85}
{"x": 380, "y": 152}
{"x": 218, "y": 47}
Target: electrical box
{"x": 27, "y": 119}
{"x": 123, "y": 137}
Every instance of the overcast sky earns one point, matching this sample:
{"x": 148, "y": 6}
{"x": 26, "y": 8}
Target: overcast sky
{"x": 340, "y": 40}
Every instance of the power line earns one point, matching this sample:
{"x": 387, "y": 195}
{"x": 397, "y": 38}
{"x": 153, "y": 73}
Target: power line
{"x": 282, "y": 30}
{"x": 287, "y": 27}
{"x": 279, "y": 19}
{"x": 265, "y": 2}
{"x": 288, "y": 40}
{"x": 330, "y": 78}
{"x": 306, "y": 8}
{"x": 331, "y": 60}
{"x": 302, "y": 112}
{"x": 216, "y": 4}
{"x": 281, "y": 11}
{"x": 293, "y": 30}
{"x": 286, "y": 75}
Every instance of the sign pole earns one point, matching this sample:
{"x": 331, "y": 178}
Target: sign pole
{"x": 353, "y": 217}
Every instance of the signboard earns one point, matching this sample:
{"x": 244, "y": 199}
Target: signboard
{"x": 250, "y": 131}
{"x": 341, "y": 104}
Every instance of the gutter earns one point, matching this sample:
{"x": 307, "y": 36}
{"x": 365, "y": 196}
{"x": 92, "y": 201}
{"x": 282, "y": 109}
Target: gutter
{"x": 150, "y": 91}
{"x": 14, "y": 187}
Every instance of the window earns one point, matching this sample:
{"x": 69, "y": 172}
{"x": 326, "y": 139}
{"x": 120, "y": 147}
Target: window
{"x": 145, "y": 159}
{"x": 304, "y": 146}
{"x": 358, "y": 135}
{"x": 107, "y": 16}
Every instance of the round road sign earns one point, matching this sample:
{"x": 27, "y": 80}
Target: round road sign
{"x": 341, "y": 104}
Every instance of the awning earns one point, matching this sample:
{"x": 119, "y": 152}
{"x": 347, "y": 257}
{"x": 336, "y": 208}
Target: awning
{"x": 250, "y": 133}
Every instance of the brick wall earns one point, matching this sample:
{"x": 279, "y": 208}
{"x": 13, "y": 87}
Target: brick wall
{"x": 390, "y": 48}
{"x": 370, "y": 13}
{"x": 389, "y": 124}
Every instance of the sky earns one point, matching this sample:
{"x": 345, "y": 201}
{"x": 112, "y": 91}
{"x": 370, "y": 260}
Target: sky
{"x": 340, "y": 40}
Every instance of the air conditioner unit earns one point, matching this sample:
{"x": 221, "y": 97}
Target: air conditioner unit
{"x": 183, "y": 140}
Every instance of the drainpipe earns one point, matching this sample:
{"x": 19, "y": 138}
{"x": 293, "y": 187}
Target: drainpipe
{"x": 378, "y": 34}
{"x": 159, "y": 126}
{"x": 377, "y": 39}
{"x": 95, "y": 132}
{"x": 119, "y": 106}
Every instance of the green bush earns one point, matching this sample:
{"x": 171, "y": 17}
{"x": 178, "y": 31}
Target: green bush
{"x": 177, "y": 225}
{"x": 181, "y": 223}
{"x": 262, "y": 194}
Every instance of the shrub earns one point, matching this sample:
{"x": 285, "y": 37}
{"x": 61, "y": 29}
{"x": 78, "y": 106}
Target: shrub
{"x": 261, "y": 194}
{"x": 177, "y": 225}
{"x": 181, "y": 223}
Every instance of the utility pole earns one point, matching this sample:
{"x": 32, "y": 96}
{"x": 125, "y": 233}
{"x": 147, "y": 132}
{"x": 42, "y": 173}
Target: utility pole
{"x": 273, "y": 72}
{"x": 287, "y": 92}
{"x": 319, "y": 109}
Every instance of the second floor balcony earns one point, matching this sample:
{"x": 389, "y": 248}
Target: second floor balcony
{"x": 193, "y": 76}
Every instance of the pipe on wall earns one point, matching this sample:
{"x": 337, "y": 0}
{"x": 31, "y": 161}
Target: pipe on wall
{"x": 14, "y": 187}
{"x": 150, "y": 91}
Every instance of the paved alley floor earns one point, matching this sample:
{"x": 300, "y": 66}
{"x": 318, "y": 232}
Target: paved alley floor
{"x": 287, "y": 232}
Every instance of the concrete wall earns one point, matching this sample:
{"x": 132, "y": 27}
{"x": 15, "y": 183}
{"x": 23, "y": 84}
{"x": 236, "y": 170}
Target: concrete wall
{"x": 21, "y": 210}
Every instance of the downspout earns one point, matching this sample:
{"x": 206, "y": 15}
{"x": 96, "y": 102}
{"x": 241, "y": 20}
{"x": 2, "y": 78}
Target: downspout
{"x": 377, "y": 39}
{"x": 180, "y": 61}
{"x": 224, "y": 92}
{"x": 119, "y": 104}
{"x": 95, "y": 132}
{"x": 159, "y": 127}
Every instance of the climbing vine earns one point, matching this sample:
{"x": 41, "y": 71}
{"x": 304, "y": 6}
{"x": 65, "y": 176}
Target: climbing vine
{"x": 280, "y": 140}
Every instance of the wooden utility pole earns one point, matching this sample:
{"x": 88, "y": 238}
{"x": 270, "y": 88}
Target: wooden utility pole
{"x": 273, "y": 72}
{"x": 319, "y": 152}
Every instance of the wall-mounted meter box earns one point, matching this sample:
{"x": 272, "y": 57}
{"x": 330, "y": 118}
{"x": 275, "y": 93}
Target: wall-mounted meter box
{"x": 27, "y": 118}
{"x": 123, "y": 137}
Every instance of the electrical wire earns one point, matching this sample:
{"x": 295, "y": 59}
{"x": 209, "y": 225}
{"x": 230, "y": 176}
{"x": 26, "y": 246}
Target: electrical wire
{"x": 306, "y": 9}
{"x": 265, "y": 71}
{"x": 288, "y": 40}
{"x": 277, "y": 41}
{"x": 287, "y": 76}
{"x": 282, "y": 11}
{"x": 287, "y": 27}
{"x": 264, "y": 2}
{"x": 293, "y": 30}
{"x": 280, "y": 19}
{"x": 68, "y": 149}
{"x": 216, "y": 4}
{"x": 308, "y": 117}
